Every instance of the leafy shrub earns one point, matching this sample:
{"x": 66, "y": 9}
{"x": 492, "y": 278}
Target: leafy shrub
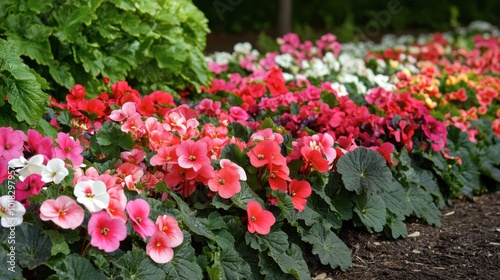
{"x": 153, "y": 43}
{"x": 22, "y": 100}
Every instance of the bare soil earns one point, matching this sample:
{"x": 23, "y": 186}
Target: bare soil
{"x": 467, "y": 246}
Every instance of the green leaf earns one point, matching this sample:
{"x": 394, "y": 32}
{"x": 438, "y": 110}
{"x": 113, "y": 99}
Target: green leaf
{"x": 136, "y": 264}
{"x": 420, "y": 203}
{"x": 493, "y": 154}
{"x": 286, "y": 205}
{"x": 246, "y": 194}
{"x": 319, "y": 183}
{"x": 294, "y": 265}
{"x": 327, "y": 246}
{"x": 371, "y": 211}
{"x": 343, "y": 203}
{"x": 183, "y": 265}
{"x": 232, "y": 264}
{"x": 33, "y": 246}
{"x": 59, "y": 245}
{"x": 23, "y": 91}
{"x": 10, "y": 268}
{"x": 77, "y": 267}
{"x": 394, "y": 199}
{"x": 267, "y": 123}
{"x": 276, "y": 239}
{"x": 195, "y": 224}
{"x": 270, "y": 268}
{"x": 221, "y": 203}
{"x": 235, "y": 154}
{"x": 248, "y": 254}
{"x": 239, "y": 131}
{"x": 46, "y": 128}
{"x": 364, "y": 170}
{"x": 395, "y": 227}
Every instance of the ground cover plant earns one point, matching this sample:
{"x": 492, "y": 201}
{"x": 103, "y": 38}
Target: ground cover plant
{"x": 257, "y": 172}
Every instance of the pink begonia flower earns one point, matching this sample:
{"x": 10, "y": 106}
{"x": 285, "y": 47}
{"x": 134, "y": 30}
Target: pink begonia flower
{"x": 30, "y": 186}
{"x": 11, "y": 211}
{"x": 63, "y": 211}
{"x": 68, "y": 149}
{"x": 170, "y": 227}
{"x": 226, "y": 181}
{"x": 138, "y": 212}
{"x": 116, "y": 211}
{"x": 259, "y": 220}
{"x": 299, "y": 191}
{"x": 11, "y": 143}
{"x": 226, "y": 163}
{"x": 106, "y": 232}
{"x": 193, "y": 155}
{"x": 32, "y": 166}
{"x": 238, "y": 114}
{"x": 127, "y": 110}
{"x": 38, "y": 144}
{"x": 157, "y": 248}
{"x": 55, "y": 171}
{"x": 4, "y": 170}
{"x": 92, "y": 194}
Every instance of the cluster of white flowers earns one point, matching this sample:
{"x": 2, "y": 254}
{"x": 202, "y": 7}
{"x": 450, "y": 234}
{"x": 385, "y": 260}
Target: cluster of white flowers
{"x": 55, "y": 170}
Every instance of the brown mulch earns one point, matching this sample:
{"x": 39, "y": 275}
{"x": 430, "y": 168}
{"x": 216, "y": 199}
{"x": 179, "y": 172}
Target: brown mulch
{"x": 467, "y": 246}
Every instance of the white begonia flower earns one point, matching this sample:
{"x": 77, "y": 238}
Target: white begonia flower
{"x": 222, "y": 57}
{"x": 244, "y": 48}
{"x": 284, "y": 60}
{"x": 55, "y": 171}
{"x": 92, "y": 194}
{"x": 340, "y": 89}
{"x": 255, "y": 52}
{"x": 347, "y": 78}
{"x": 361, "y": 88}
{"x": 32, "y": 166}
{"x": 305, "y": 64}
{"x": 319, "y": 68}
{"x": 288, "y": 76}
{"x": 331, "y": 61}
{"x": 11, "y": 211}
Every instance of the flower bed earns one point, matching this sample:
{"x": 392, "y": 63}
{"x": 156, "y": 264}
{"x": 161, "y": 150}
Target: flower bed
{"x": 258, "y": 171}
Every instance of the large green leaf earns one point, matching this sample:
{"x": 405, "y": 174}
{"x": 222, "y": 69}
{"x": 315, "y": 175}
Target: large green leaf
{"x": 232, "y": 265}
{"x": 371, "y": 211}
{"x": 135, "y": 264}
{"x": 23, "y": 91}
{"x": 364, "y": 170}
{"x": 291, "y": 262}
{"x": 327, "y": 246}
{"x": 270, "y": 269}
{"x": 420, "y": 203}
{"x": 395, "y": 227}
{"x": 33, "y": 246}
{"x": 183, "y": 265}
{"x": 77, "y": 267}
{"x": 394, "y": 199}
{"x": 246, "y": 194}
{"x": 276, "y": 239}
{"x": 59, "y": 244}
{"x": 10, "y": 268}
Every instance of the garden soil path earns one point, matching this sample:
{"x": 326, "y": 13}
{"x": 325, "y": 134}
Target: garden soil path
{"x": 467, "y": 246}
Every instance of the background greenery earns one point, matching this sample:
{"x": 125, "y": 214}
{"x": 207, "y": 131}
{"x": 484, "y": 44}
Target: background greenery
{"x": 154, "y": 44}
{"x": 341, "y": 17}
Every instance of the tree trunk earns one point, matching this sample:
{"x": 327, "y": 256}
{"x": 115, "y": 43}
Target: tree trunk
{"x": 285, "y": 17}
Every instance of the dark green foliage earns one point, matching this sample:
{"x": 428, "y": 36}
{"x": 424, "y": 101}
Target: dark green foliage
{"x": 153, "y": 44}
